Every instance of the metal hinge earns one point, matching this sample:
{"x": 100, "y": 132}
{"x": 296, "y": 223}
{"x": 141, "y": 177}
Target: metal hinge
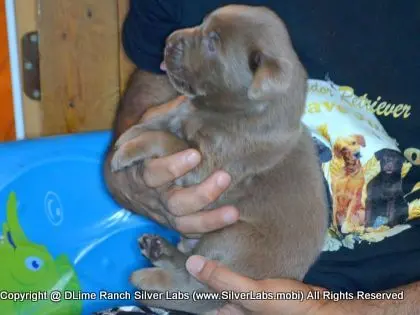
{"x": 30, "y": 66}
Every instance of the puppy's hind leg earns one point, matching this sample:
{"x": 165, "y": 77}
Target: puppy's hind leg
{"x": 177, "y": 289}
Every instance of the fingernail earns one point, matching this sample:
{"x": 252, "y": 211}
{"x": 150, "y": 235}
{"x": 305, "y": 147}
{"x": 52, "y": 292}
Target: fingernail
{"x": 193, "y": 158}
{"x": 230, "y": 217}
{"x": 223, "y": 180}
{"x": 195, "y": 264}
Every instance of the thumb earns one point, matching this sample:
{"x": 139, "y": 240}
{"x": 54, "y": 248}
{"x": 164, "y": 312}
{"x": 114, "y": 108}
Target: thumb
{"x": 218, "y": 277}
{"x": 230, "y": 309}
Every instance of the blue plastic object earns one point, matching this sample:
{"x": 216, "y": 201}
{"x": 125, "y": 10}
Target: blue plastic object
{"x": 63, "y": 205}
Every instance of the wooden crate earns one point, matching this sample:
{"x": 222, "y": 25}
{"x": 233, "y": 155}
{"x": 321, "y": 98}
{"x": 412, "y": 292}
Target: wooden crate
{"x": 83, "y": 68}
{"x": 7, "y": 130}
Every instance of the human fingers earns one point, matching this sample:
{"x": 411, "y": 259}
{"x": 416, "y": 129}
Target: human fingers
{"x": 163, "y": 170}
{"x": 189, "y": 200}
{"x": 220, "y": 278}
{"x": 230, "y": 309}
{"x": 206, "y": 221}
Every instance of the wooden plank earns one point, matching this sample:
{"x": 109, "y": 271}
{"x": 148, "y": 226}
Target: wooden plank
{"x": 7, "y": 129}
{"x": 126, "y": 66}
{"x": 79, "y": 62}
{"x": 26, "y": 17}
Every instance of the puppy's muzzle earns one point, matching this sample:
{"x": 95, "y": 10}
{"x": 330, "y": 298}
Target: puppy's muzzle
{"x": 174, "y": 47}
{"x": 174, "y": 52}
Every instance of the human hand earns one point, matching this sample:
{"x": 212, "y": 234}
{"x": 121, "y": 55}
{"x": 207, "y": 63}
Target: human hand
{"x": 220, "y": 278}
{"x": 185, "y": 203}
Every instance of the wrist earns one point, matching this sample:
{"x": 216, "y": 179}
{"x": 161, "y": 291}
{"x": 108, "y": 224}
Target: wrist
{"x": 344, "y": 307}
{"x": 322, "y": 305}
{"x": 330, "y": 307}
{"x": 327, "y": 308}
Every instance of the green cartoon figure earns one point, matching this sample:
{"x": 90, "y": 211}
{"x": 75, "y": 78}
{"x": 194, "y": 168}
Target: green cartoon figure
{"x": 28, "y": 274}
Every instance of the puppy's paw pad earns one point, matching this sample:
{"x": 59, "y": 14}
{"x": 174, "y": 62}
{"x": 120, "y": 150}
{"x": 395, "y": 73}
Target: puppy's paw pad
{"x": 151, "y": 246}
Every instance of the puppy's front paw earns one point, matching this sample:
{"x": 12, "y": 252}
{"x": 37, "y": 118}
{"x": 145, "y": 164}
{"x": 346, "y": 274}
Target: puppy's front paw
{"x": 130, "y": 134}
{"x": 137, "y": 145}
{"x": 125, "y": 156}
{"x": 129, "y": 148}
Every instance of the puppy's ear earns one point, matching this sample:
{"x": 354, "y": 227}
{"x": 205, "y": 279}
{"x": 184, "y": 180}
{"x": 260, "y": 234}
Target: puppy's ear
{"x": 380, "y": 154}
{"x": 360, "y": 140}
{"x": 272, "y": 76}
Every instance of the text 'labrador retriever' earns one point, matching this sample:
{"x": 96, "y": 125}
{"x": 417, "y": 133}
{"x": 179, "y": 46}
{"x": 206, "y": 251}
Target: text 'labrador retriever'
{"x": 246, "y": 91}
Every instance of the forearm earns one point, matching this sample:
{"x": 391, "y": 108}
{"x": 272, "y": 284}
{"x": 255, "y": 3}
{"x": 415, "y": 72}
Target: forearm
{"x": 409, "y": 305}
{"x": 144, "y": 90}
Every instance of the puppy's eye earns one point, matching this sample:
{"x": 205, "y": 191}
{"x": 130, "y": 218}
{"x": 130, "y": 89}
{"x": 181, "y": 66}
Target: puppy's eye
{"x": 211, "y": 41}
{"x": 354, "y": 142}
{"x": 254, "y": 60}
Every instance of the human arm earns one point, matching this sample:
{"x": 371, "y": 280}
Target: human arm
{"x": 144, "y": 32}
{"x": 409, "y": 305}
{"x": 144, "y": 90}
{"x": 221, "y": 278}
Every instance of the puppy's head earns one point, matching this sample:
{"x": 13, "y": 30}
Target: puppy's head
{"x": 391, "y": 161}
{"x": 237, "y": 49}
{"x": 349, "y": 147}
